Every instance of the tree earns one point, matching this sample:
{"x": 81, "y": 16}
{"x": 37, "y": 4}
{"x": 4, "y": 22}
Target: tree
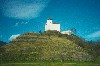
{"x": 2, "y": 43}
{"x": 73, "y": 30}
{"x": 40, "y": 32}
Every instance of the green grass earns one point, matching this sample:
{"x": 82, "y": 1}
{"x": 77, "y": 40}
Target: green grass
{"x": 50, "y": 64}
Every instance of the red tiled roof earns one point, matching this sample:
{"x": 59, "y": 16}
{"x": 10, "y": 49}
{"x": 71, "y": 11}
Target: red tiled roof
{"x": 49, "y": 18}
{"x": 55, "y": 23}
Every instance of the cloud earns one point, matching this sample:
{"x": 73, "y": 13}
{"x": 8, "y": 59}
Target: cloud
{"x": 14, "y": 37}
{"x": 94, "y": 35}
{"x": 23, "y": 9}
{"x": 0, "y": 37}
{"x": 16, "y": 24}
{"x": 21, "y": 23}
{"x": 24, "y": 22}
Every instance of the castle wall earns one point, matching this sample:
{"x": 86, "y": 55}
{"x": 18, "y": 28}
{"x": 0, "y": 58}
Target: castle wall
{"x": 68, "y": 32}
{"x": 55, "y": 27}
{"x": 50, "y": 26}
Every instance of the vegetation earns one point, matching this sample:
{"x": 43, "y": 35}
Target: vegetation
{"x": 2, "y": 43}
{"x": 50, "y": 64}
{"x": 50, "y": 46}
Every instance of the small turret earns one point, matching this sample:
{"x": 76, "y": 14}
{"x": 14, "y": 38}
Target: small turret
{"x": 49, "y": 21}
{"x": 52, "y": 26}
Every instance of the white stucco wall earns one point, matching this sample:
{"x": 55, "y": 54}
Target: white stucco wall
{"x": 55, "y": 27}
{"x": 68, "y": 32}
{"x": 50, "y": 26}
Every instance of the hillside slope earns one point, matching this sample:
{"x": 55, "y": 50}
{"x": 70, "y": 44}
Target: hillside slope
{"x": 2, "y": 43}
{"x": 43, "y": 47}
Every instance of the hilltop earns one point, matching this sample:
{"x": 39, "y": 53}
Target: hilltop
{"x": 2, "y": 43}
{"x": 46, "y": 46}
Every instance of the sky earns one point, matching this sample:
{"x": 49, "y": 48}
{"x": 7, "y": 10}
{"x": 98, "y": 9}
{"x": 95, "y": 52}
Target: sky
{"x": 20, "y": 16}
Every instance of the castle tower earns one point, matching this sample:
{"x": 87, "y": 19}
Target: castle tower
{"x": 52, "y": 26}
{"x": 49, "y": 21}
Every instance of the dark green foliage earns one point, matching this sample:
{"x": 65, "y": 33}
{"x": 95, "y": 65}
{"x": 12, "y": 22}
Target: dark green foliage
{"x": 2, "y": 43}
{"x": 81, "y": 42}
{"x": 46, "y": 63}
{"x": 49, "y": 32}
{"x": 48, "y": 46}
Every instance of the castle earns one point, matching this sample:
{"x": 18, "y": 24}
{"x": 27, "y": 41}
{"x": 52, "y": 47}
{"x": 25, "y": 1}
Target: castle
{"x": 55, "y": 26}
{"x": 52, "y": 26}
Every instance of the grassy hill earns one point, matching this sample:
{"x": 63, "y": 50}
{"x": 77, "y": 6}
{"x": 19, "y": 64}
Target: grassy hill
{"x": 2, "y": 43}
{"x": 47, "y": 46}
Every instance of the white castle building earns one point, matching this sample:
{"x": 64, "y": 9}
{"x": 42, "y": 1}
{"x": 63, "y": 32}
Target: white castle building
{"x": 68, "y": 32}
{"x": 52, "y": 26}
{"x": 55, "y": 26}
